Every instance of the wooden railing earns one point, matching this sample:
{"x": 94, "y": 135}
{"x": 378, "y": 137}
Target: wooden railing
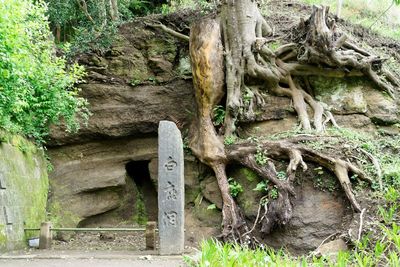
{"x": 46, "y": 235}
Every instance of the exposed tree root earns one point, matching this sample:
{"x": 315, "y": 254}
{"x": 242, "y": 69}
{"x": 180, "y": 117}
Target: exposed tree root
{"x": 158, "y": 25}
{"x": 317, "y": 49}
{"x": 280, "y": 211}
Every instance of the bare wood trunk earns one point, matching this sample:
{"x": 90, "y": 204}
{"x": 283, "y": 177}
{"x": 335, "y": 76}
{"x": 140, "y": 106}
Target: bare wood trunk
{"x": 339, "y": 8}
{"x": 58, "y": 33}
{"x": 208, "y": 79}
{"x": 114, "y": 10}
{"x": 83, "y": 6}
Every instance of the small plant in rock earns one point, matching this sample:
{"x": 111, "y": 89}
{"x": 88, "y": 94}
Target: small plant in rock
{"x": 261, "y": 157}
{"x": 261, "y": 187}
{"x": 153, "y": 80}
{"x": 212, "y": 207}
{"x": 234, "y": 187}
{"x": 185, "y": 142}
{"x": 247, "y": 97}
{"x": 273, "y": 193}
{"x": 325, "y": 182}
{"x": 229, "y": 140}
{"x": 253, "y": 139}
{"x": 281, "y": 175}
{"x": 135, "y": 82}
{"x": 218, "y": 115}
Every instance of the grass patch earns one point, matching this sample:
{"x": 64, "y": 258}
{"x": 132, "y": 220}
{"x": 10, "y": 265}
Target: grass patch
{"x": 368, "y": 14}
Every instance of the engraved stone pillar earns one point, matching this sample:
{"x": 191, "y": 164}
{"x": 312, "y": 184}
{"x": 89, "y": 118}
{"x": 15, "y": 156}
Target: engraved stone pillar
{"x": 170, "y": 189}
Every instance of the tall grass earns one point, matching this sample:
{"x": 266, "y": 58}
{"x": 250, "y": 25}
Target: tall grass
{"x": 379, "y": 246}
{"x": 385, "y": 252}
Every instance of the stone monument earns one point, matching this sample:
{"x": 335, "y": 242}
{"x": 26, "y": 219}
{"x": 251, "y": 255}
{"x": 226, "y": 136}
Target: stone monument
{"x": 170, "y": 189}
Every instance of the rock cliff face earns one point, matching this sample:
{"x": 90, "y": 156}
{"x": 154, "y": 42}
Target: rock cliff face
{"x": 106, "y": 174}
{"x": 23, "y": 190}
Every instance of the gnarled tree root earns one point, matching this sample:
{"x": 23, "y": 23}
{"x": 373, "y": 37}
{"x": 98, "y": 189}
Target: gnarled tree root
{"x": 280, "y": 210}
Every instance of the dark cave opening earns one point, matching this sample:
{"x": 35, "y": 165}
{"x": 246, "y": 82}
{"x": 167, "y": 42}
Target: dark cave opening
{"x": 138, "y": 171}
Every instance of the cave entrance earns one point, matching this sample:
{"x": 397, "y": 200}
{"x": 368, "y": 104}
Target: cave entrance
{"x": 138, "y": 171}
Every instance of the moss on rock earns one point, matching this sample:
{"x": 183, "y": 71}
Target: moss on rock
{"x": 24, "y": 170}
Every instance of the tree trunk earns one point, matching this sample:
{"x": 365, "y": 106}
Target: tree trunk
{"x": 208, "y": 79}
{"x": 58, "y": 33}
{"x": 339, "y": 8}
{"x": 114, "y": 10}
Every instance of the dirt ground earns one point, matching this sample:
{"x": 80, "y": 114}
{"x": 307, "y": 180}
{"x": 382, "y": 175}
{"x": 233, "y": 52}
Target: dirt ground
{"x": 75, "y": 258}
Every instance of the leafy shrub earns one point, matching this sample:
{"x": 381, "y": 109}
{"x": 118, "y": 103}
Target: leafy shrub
{"x": 229, "y": 140}
{"x": 36, "y": 87}
{"x": 234, "y": 187}
{"x": 218, "y": 115}
{"x": 261, "y": 157}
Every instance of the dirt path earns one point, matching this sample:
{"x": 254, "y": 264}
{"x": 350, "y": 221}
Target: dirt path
{"x": 70, "y": 258}
{"x": 91, "y": 262}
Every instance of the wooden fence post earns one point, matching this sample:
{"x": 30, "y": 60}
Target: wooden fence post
{"x": 45, "y": 235}
{"x": 150, "y": 235}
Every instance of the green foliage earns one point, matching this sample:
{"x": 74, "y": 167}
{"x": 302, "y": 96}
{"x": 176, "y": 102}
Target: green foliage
{"x": 382, "y": 16}
{"x": 86, "y": 39}
{"x": 175, "y": 5}
{"x": 247, "y": 96}
{"x": 36, "y": 87}
{"x": 216, "y": 254}
{"x": 211, "y": 207}
{"x": 324, "y": 181}
{"x": 265, "y": 187}
{"x": 261, "y": 157}
{"x": 389, "y": 211}
{"x": 139, "y": 7}
{"x": 261, "y": 187}
{"x": 385, "y": 148}
{"x": 281, "y": 175}
{"x": 249, "y": 174}
{"x": 274, "y": 45}
{"x": 140, "y": 215}
{"x": 229, "y": 140}
{"x": 218, "y": 115}
{"x": 234, "y": 187}
{"x": 384, "y": 252}
{"x": 88, "y": 25}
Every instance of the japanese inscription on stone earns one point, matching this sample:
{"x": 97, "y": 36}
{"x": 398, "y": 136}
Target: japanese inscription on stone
{"x": 170, "y": 189}
{"x": 2, "y": 181}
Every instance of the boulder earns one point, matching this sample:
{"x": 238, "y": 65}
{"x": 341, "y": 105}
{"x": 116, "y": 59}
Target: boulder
{"x": 269, "y": 127}
{"x": 207, "y": 216}
{"x": 382, "y": 109}
{"x": 122, "y": 110}
{"x": 249, "y": 199}
{"x": 316, "y": 215}
{"x": 331, "y": 248}
{"x": 90, "y": 178}
{"x": 85, "y": 205}
{"x": 355, "y": 121}
{"x": 210, "y": 191}
{"x": 343, "y": 96}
